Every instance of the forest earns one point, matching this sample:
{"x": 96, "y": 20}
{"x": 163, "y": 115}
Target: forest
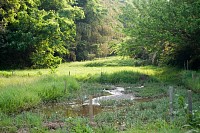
{"x": 42, "y": 34}
{"x": 100, "y": 66}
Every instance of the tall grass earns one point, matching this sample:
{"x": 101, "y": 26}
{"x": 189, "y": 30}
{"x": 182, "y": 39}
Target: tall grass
{"x": 122, "y": 77}
{"x": 17, "y": 98}
{"x": 21, "y": 90}
{"x": 191, "y": 79}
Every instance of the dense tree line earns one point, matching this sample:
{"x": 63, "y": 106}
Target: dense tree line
{"x": 44, "y": 33}
{"x": 99, "y": 30}
{"x": 163, "y": 31}
{"x": 36, "y": 33}
{"x": 90, "y": 31}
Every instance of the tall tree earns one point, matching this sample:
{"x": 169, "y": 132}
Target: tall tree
{"x": 167, "y": 28}
{"x": 90, "y": 32}
{"x": 37, "y": 33}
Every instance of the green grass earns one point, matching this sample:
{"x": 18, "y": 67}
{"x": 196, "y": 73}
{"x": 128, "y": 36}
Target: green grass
{"x": 159, "y": 126}
{"x": 23, "y": 90}
{"x": 115, "y": 61}
{"x": 191, "y": 79}
{"x": 16, "y": 98}
{"x": 151, "y": 116}
{"x": 121, "y": 77}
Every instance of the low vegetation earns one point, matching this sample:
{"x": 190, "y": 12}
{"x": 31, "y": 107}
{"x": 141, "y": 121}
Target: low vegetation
{"x": 23, "y": 92}
{"x": 23, "y": 96}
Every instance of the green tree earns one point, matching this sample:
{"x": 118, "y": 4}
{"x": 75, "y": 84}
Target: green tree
{"x": 37, "y": 33}
{"x": 90, "y": 32}
{"x": 167, "y": 29}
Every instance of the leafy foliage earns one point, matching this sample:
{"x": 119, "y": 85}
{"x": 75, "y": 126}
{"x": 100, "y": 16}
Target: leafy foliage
{"x": 100, "y": 30}
{"x": 43, "y": 33}
{"x": 88, "y": 35}
{"x": 37, "y": 33}
{"x": 165, "y": 29}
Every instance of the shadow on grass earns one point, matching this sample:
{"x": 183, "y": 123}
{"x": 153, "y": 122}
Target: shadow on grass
{"x": 122, "y": 77}
{"x": 117, "y": 62}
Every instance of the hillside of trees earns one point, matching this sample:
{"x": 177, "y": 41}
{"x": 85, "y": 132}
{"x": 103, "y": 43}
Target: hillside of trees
{"x": 45, "y": 33}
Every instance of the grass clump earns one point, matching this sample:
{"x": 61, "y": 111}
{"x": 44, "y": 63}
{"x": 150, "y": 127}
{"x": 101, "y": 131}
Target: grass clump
{"x": 116, "y": 61}
{"x": 191, "y": 79}
{"x": 78, "y": 125}
{"x": 125, "y": 77}
{"x": 148, "y": 89}
{"x": 16, "y": 100}
{"x": 159, "y": 126}
{"x": 29, "y": 122}
{"x": 48, "y": 88}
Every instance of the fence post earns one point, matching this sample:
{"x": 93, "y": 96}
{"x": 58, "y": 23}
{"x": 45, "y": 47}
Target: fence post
{"x": 187, "y": 65}
{"x": 171, "y": 103}
{"x": 91, "y": 110}
{"x": 184, "y": 66}
{"x": 65, "y": 89}
{"x": 190, "y": 104}
{"x": 69, "y": 73}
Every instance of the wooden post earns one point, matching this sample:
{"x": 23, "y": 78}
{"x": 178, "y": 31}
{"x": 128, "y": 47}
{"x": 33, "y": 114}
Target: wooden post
{"x": 190, "y": 104}
{"x": 171, "y": 103}
{"x": 91, "y": 110}
{"x": 187, "y": 65}
{"x": 69, "y": 73}
{"x": 65, "y": 89}
{"x": 184, "y": 66}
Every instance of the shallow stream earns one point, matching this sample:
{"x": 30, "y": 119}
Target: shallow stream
{"x": 81, "y": 108}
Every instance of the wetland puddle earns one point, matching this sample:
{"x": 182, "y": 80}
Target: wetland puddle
{"x": 82, "y": 108}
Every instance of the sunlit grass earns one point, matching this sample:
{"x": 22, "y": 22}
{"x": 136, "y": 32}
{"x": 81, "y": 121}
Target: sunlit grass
{"x": 15, "y": 80}
{"x": 22, "y": 90}
{"x": 76, "y": 69}
{"x": 23, "y": 95}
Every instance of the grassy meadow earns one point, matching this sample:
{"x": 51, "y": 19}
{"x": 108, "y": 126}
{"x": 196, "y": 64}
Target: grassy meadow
{"x": 23, "y": 92}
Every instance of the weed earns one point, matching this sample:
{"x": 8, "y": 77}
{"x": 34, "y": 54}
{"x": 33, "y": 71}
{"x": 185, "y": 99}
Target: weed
{"x": 78, "y": 125}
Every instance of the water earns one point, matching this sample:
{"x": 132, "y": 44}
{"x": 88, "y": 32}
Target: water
{"x": 67, "y": 110}
{"x": 116, "y": 94}
{"x": 78, "y": 108}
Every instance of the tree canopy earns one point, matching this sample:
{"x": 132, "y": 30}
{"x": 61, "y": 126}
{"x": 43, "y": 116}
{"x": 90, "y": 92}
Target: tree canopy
{"x": 36, "y": 33}
{"x": 42, "y": 33}
{"x": 168, "y": 30}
